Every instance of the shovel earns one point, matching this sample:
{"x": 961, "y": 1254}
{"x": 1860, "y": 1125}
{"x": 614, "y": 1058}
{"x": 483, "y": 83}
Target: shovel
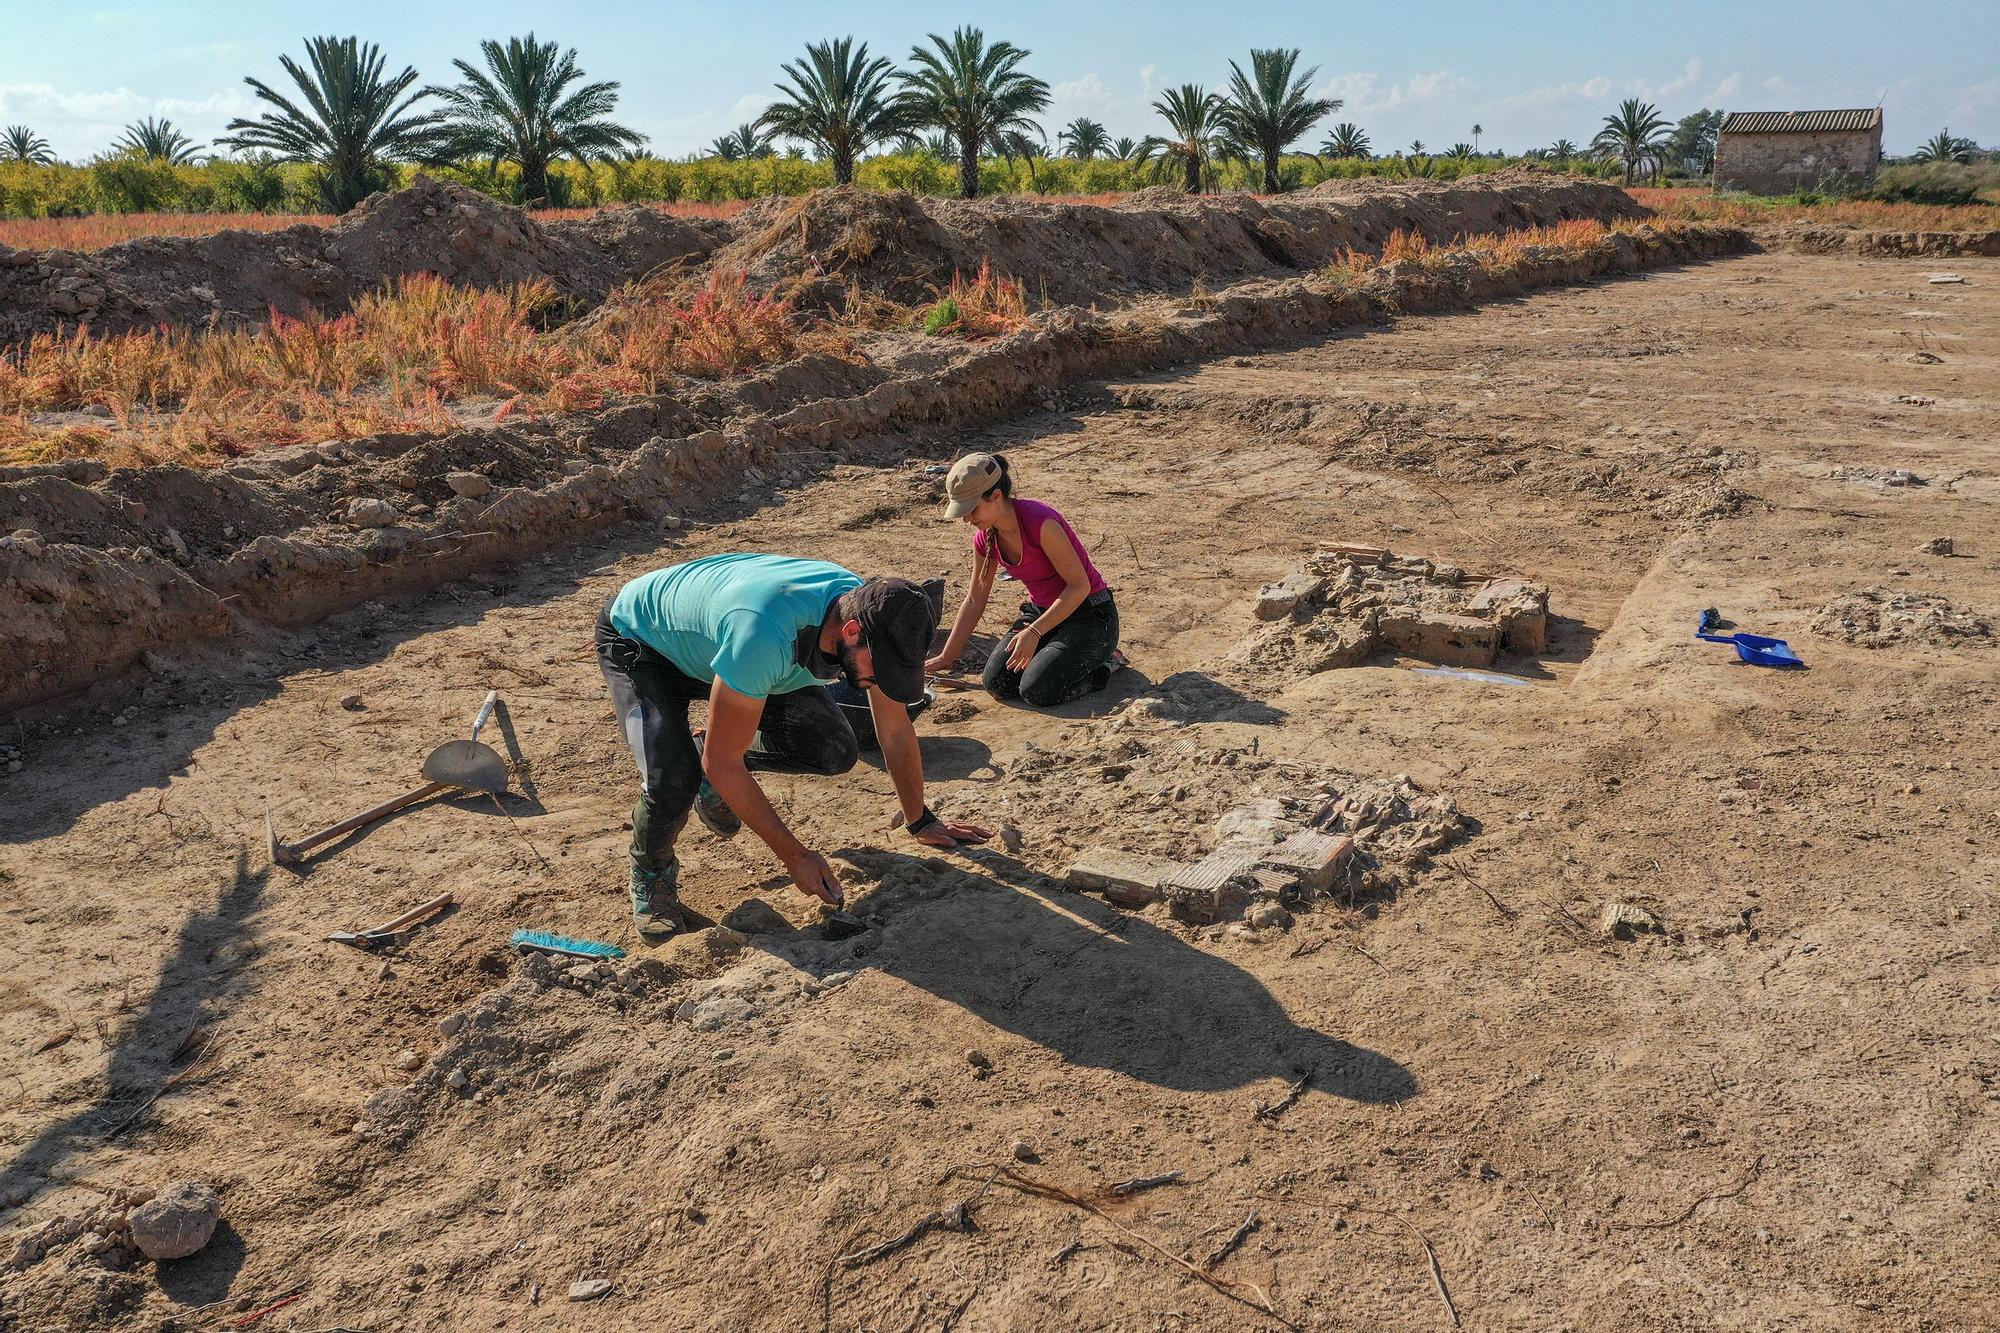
{"x": 466, "y": 765}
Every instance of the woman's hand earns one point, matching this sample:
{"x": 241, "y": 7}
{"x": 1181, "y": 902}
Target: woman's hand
{"x": 939, "y": 665}
{"x": 1027, "y": 641}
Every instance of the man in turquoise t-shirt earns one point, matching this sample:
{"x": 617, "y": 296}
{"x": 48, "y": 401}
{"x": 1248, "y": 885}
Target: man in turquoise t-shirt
{"x": 756, "y": 637}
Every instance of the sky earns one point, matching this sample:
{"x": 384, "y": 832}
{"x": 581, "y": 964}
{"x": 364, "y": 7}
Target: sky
{"x": 78, "y": 71}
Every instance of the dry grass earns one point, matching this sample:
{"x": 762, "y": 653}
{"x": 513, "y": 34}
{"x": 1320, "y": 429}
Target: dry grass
{"x": 1498, "y": 253}
{"x": 408, "y": 358}
{"x": 988, "y": 306}
{"x": 102, "y": 229}
{"x": 1701, "y": 206}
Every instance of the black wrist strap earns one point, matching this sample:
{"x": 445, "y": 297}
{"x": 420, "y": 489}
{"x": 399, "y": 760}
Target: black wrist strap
{"x": 922, "y": 821}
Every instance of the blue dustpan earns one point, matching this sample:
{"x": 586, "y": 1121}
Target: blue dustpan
{"x": 1757, "y": 650}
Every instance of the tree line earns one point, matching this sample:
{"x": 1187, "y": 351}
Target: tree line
{"x": 960, "y": 99}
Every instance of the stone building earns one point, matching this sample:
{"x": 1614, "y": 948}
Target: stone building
{"x": 1784, "y": 152}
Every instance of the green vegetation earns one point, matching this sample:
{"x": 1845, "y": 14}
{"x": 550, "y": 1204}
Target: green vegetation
{"x": 1200, "y": 134}
{"x": 1632, "y": 136}
{"x": 352, "y": 125}
{"x": 975, "y": 93}
{"x": 1085, "y": 139}
{"x": 839, "y": 103}
{"x": 157, "y": 141}
{"x": 1268, "y": 110}
{"x": 523, "y": 109}
{"x": 18, "y": 143}
{"x": 1944, "y": 146}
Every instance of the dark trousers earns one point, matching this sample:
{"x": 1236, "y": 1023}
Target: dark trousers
{"x": 800, "y": 732}
{"x": 1072, "y": 662}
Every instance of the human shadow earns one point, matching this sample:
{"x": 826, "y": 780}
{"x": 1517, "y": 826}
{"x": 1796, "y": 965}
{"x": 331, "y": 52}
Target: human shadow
{"x": 160, "y": 1039}
{"x": 1101, "y": 988}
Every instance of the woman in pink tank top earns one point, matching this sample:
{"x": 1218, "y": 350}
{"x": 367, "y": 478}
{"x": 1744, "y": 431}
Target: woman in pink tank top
{"x": 1065, "y": 642}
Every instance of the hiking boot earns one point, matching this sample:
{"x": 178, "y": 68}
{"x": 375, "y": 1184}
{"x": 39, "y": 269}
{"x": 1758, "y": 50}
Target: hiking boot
{"x": 709, "y": 807}
{"x": 656, "y": 903}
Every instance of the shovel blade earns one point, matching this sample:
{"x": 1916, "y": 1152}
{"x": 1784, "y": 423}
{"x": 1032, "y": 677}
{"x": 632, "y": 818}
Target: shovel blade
{"x": 467, "y": 765}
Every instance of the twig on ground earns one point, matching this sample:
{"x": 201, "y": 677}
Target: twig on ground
{"x": 957, "y": 1218}
{"x": 1430, "y": 1256}
{"x": 1365, "y": 954}
{"x": 1288, "y": 1101}
{"x": 1229, "y": 1287}
{"x": 201, "y": 1054}
{"x": 1503, "y": 909}
{"x": 1236, "y": 1238}
{"x": 244, "y": 1321}
{"x": 1749, "y": 1176}
{"x": 1138, "y": 1183}
{"x": 1135, "y": 555}
{"x": 1062, "y": 1256}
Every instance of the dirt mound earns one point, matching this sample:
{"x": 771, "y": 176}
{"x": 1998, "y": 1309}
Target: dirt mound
{"x": 238, "y": 277}
{"x": 896, "y": 245}
{"x": 1885, "y": 618}
{"x": 1824, "y": 240}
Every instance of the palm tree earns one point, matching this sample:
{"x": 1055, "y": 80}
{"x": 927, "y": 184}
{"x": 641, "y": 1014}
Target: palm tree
{"x": 1125, "y": 148}
{"x": 157, "y": 141}
{"x": 1199, "y": 120}
{"x": 1085, "y": 137}
{"x": 1561, "y": 151}
{"x": 1416, "y": 148}
{"x": 1945, "y": 146}
{"x": 973, "y": 92}
{"x": 18, "y": 143}
{"x": 839, "y": 102}
{"x": 1632, "y": 136}
{"x": 1461, "y": 151}
{"x": 939, "y": 145}
{"x": 1477, "y": 130}
{"x": 744, "y": 144}
{"x": 352, "y": 122}
{"x": 522, "y": 109}
{"x": 1268, "y": 109}
{"x": 1347, "y": 140}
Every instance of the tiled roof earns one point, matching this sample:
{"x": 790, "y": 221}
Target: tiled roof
{"x": 1801, "y": 122}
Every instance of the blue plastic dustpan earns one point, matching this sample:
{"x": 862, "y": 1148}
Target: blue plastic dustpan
{"x": 1758, "y": 650}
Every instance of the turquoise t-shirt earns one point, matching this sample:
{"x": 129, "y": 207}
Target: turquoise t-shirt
{"x": 736, "y": 617}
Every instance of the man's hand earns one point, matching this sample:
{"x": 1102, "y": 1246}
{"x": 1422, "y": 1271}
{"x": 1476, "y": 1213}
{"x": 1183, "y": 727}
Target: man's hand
{"x": 949, "y": 833}
{"x": 1027, "y": 640}
{"x": 815, "y": 879}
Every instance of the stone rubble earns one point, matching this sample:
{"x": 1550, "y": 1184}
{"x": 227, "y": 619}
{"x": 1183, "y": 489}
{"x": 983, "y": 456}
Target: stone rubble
{"x": 1350, "y": 602}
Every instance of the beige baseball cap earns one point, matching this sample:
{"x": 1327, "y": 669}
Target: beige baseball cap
{"x": 969, "y": 480}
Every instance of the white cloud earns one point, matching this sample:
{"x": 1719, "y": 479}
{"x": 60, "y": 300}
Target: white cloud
{"x": 1365, "y": 94}
{"x": 1974, "y": 102}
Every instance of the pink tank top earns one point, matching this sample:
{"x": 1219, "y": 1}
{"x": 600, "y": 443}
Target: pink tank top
{"x": 1036, "y": 574}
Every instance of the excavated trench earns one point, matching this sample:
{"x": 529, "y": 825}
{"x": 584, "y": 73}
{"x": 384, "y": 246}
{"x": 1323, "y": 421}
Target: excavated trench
{"x": 107, "y": 567}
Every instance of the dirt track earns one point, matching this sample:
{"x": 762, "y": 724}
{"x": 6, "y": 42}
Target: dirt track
{"x": 1777, "y": 1114}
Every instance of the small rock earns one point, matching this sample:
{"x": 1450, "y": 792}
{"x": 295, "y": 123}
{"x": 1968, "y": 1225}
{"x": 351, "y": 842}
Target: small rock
{"x": 469, "y": 485}
{"x": 384, "y": 972}
{"x": 450, "y": 1024}
{"x": 590, "y": 1289}
{"x": 671, "y": 522}
{"x": 1275, "y": 601}
{"x": 1944, "y": 279}
{"x": 581, "y": 973}
{"x": 364, "y": 512}
{"x": 978, "y": 1059}
{"x": 456, "y": 1079}
{"x": 408, "y": 1060}
{"x": 1269, "y": 915}
{"x": 27, "y": 541}
{"x": 1024, "y": 1152}
{"x": 351, "y": 702}
{"x": 1010, "y": 838}
{"x": 1938, "y": 546}
{"x": 176, "y": 1223}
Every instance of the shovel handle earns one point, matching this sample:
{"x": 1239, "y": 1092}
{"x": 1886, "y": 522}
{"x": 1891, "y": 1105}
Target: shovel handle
{"x": 485, "y": 711}
{"x": 437, "y": 904}
{"x": 368, "y": 816}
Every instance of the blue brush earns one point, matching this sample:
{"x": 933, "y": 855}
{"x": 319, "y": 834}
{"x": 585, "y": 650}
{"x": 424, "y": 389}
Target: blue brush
{"x": 542, "y": 941}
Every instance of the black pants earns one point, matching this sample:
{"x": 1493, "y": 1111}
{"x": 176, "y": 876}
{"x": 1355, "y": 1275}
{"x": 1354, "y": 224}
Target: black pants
{"x": 1072, "y": 661}
{"x": 800, "y": 732}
